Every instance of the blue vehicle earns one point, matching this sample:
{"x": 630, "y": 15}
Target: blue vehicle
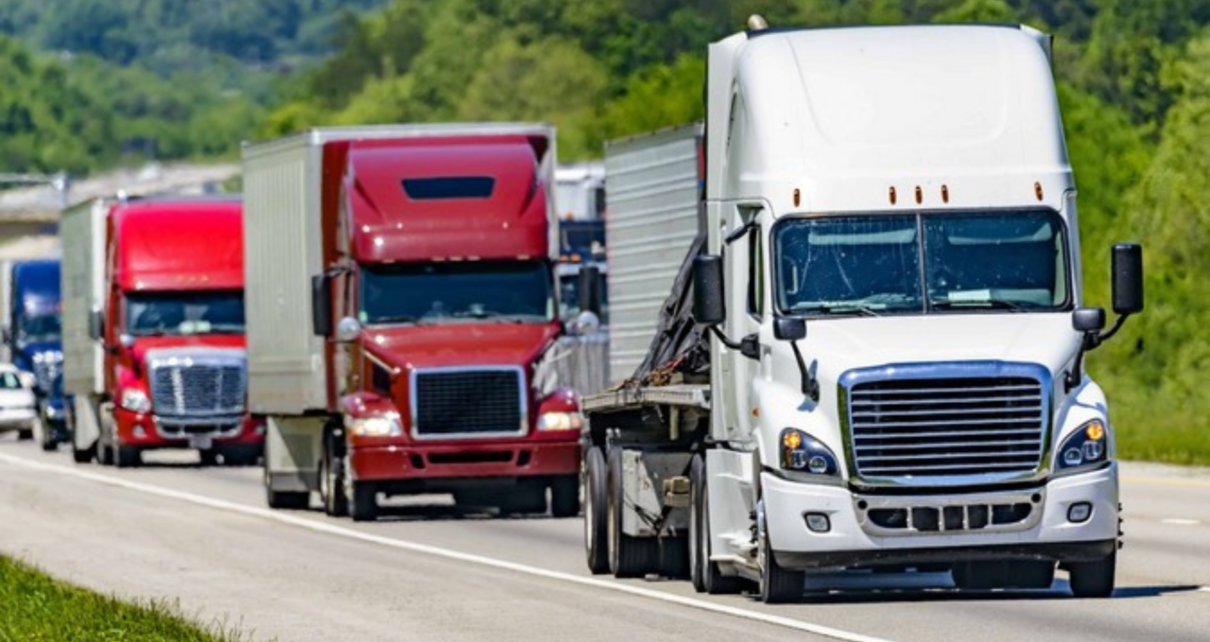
{"x": 32, "y": 337}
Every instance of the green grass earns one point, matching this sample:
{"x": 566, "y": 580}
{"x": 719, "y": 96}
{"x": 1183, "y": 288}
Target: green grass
{"x": 37, "y": 608}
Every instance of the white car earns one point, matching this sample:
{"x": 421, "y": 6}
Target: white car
{"x": 18, "y": 406}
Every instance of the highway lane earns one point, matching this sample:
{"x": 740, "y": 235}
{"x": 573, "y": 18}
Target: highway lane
{"x": 286, "y": 580}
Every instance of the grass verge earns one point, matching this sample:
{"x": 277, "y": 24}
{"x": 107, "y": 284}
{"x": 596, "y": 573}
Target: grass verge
{"x": 35, "y": 607}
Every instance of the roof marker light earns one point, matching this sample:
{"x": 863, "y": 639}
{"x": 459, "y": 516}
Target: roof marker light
{"x": 919, "y": 195}
{"x": 796, "y": 197}
{"x": 945, "y": 194}
{"x": 892, "y": 195}
{"x": 1038, "y": 190}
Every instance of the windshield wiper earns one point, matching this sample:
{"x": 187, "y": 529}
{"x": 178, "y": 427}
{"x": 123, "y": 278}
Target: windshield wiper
{"x": 398, "y": 318}
{"x": 855, "y": 308}
{"x": 490, "y": 314}
{"x": 995, "y": 304}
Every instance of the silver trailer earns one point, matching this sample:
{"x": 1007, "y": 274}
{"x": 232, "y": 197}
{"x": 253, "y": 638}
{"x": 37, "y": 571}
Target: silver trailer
{"x": 82, "y": 230}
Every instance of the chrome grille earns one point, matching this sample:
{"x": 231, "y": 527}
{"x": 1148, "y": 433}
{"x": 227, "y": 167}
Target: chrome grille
{"x": 468, "y": 402}
{"x": 197, "y": 387}
{"x": 45, "y": 373}
{"x": 905, "y": 429}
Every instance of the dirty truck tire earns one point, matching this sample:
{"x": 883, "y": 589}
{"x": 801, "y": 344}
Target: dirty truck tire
{"x": 596, "y": 535}
{"x": 628, "y": 556}
{"x": 565, "y": 496}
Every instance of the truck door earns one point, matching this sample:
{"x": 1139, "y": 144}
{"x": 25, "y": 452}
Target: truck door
{"x": 745, "y": 309}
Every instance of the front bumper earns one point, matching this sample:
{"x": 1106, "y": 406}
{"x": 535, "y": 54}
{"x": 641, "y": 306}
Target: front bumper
{"x": 855, "y": 540}
{"x": 145, "y": 430}
{"x": 430, "y": 465}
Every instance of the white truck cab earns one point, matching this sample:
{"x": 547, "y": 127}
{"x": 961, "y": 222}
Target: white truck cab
{"x": 891, "y": 286}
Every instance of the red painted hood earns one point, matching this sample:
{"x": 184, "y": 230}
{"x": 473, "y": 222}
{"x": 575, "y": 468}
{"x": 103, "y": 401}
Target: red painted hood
{"x": 457, "y": 344}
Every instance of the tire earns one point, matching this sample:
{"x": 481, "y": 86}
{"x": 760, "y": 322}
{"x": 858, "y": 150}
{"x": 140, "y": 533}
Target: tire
{"x": 362, "y": 501}
{"x": 565, "y": 496}
{"x": 104, "y": 453}
{"x": 25, "y": 434}
{"x": 209, "y": 457}
{"x": 596, "y": 502}
{"x": 83, "y": 456}
{"x": 1093, "y": 579}
{"x": 331, "y": 485}
{"x": 283, "y": 499}
{"x": 126, "y": 456}
{"x": 778, "y": 585}
{"x": 47, "y": 437}
{"x": 706, "y": 576}
{"x": 628, "y": 556}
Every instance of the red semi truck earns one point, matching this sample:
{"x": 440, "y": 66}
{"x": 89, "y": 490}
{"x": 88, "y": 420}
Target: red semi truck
{"x": 402, "y": 317}
{"x": 153, "y": 318}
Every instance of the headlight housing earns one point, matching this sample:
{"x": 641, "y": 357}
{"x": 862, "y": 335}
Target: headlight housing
{"x": 1087, "y": 447}
{"x": 386, "y": 425}
{"x": 802, "y": 453}
{"x": 135, "y": 400}
{"x": 556, "y": 421}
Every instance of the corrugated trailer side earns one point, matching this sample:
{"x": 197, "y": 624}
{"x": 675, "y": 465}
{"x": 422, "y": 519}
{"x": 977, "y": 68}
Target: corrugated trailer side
{"x": 282, "y": 249}
{"x": 652, "y": 194}
{"x": 82, "y": 231}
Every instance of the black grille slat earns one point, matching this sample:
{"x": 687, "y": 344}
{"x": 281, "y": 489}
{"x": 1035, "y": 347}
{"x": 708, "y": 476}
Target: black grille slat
{"x": 914, "y": 428}
{"x": 468, "y": 402}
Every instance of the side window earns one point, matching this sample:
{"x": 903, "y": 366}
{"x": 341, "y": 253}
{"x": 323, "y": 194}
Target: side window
{"x": 756, "y": 273}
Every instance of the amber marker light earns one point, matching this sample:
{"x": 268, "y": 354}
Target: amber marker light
{"x": 1038, "y": 190}
{"x": 919, "y": 195}
{"x": 797, "y": 196}
{"x": 792, "y": 439}
{"x": 892, "y": 196}
{"x": 945, "y": 194}
{"x": 1095, "y": 431}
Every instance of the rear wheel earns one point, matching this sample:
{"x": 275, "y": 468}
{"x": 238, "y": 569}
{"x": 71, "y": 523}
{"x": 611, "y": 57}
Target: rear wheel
{"x": 362, "y": 501}
{"x": 628, "y": 556}
{"x": 596, "y": 536}
{"x": 565, "y": 496}
{"x": 706, "y": 576}
{"x": 331, "y": 485}
{"x": 1093, "y": 579}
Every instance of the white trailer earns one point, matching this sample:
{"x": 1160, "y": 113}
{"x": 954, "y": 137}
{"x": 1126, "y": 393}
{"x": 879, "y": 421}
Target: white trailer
{"x": 904, "y": 194}
{"x": 82, "y": 230}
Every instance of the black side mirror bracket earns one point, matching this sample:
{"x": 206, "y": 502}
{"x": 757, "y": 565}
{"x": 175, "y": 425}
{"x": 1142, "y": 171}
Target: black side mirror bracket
{"x": 791, "y": 329}
{"x": 1127, "y": 271}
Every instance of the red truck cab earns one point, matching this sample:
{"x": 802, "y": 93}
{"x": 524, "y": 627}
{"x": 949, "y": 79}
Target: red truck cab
{"x": 438, "y": 312}
{"x": 172, "y": 331}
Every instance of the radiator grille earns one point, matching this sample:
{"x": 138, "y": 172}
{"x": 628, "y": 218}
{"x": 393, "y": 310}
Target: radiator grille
{"x": 910, "y": 428}
{"x": 468, "y": 402}
{"x": 183, "y": 388}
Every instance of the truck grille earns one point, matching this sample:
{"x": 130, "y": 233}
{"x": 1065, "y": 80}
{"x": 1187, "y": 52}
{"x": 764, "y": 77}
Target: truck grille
{"x": 184, "y": 387}
{"x": 457, "y": 402}
{"x": 905, "y": 429}
{"x": 45, "y": 373}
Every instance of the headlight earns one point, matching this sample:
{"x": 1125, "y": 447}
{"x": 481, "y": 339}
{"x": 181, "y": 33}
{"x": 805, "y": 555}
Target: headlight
{"x": 387, "y": 425}
{"x": 53, "y": 412}
{"x": 805, "y": 454}
{"x": 1087, "y": 446}
{"x": 552, "y": 421}
{"x": 135, "y": 400}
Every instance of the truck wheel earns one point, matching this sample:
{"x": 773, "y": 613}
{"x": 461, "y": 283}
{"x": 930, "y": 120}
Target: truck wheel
{"x": 706, "y": 576}
{"x": 778, "y": 585}
{"x": 209, "y": 456}
{"x": 628, "y": 556}
{"x": 596, "y": 542}
{"x": 83, "y": 456}
{"x": 363, "y": 501}
{"x": 565, "y": 496}
{"x": 126, "y": 456}
{"x": 104, "y": 452}
{"x": 331, "y": 485}
{"x": 282, "y": 499}
{"x": 1093, "y": 579}
{"x": 47, "y": 437}
{"x": 25, "y": 434}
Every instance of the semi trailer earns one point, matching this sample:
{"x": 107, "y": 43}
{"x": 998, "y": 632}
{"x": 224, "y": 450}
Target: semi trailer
{"x": 403, "y": 318}
{"x": 153, "y": 318}
{"x": 871, "y": 358}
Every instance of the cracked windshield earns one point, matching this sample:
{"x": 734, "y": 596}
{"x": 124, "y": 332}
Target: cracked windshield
{"x": 886, "y": 264}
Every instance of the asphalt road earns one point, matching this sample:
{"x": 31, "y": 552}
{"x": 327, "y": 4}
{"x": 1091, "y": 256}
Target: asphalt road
{"x": 201, "y": 537}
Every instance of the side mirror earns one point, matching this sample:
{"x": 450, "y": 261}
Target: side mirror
{"x": 96, "y": 324}
{"x": 1127, "y": 278}
{"x": 590, "y": 289}
{"x": 348, "y": 329}
{"x": 1088, "y": 320}
{"x": 708, "y": 305}
{"x": 789, "y": 328}
{"x": 321, "y": 305}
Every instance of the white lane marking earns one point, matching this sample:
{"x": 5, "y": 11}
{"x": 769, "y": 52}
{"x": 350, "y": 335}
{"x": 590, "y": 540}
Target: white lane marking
{"x": 1205, "y": 589}
{"x": 1180, "y": 521}
{"x": 331, "y": 529}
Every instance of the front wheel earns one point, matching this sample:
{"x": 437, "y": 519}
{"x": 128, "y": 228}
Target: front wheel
{"x": 47, "y": 436}
{"x": 25, "y": 434}
{"x": 331, "y": 485}
{"x": 1093, "y": 579}
{"x": 363, "y": 501}
{"x": 126, "y": 456}
{"x": 565, "y": 496}
{"x": 778, "y": 585}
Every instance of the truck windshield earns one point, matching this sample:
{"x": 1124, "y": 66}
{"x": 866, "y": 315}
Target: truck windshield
{"x": 936, "y": 262}
{"x": 501, "y": 290}
{"x": 182, "y": 313}
{"x": 39, "y": 328}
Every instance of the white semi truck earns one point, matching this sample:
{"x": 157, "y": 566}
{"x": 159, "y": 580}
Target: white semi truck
{"x": 871, "y": 357}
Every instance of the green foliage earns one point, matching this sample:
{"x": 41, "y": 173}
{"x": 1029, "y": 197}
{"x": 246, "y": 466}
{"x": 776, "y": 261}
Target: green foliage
{"x": 37, "y": 608}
